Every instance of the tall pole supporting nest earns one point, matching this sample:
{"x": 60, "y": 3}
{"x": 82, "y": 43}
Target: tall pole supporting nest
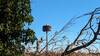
{"x": 46, "y": 28}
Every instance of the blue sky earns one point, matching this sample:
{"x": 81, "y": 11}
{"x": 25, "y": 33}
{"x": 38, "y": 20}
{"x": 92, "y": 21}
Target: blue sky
{"x": 58, "y": 12}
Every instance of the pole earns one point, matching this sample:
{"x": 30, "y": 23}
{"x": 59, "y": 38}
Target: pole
{"x": 46, "y": 43}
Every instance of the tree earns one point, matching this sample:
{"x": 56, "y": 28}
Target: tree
{"x": 92, "y": 26}
{"x": 14, "y": 14}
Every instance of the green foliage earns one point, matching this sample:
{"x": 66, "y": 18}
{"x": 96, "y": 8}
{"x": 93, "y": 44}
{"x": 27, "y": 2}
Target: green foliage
{"x": 14, "y": 14}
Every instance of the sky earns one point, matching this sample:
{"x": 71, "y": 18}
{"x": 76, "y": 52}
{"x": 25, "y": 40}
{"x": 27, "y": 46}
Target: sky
{"x": 57, "y": 13}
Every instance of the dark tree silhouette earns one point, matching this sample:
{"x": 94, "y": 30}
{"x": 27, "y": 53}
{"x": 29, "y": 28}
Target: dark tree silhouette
{"x": 14, "y": 14}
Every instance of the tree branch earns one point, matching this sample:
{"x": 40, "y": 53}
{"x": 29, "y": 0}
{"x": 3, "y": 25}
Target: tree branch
{"x": 67, "y": 51}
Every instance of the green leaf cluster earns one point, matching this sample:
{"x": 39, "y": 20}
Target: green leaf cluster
{"x": 14, "y": 14}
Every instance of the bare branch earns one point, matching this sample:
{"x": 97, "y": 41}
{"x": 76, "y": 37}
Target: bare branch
{"x": 68, "y": 51}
